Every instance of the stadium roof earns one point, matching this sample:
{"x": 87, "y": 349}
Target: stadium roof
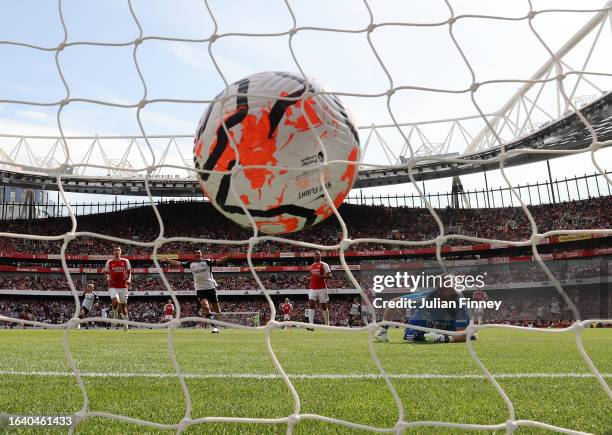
{"x": 549, "y": 141}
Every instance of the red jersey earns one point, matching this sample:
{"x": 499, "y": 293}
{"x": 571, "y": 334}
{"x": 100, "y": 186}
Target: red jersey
{"x": 480, "y": 295}
{"x": 169, "y": 309}
{"x": 317, "y": 275}
{"x": 287, "y": 307}
{"x": 118, "y": 272}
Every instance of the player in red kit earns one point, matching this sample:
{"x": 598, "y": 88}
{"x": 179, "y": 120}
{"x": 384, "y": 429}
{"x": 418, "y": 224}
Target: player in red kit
{"x": 169, "y": 310}
{"x": 118, "y": 273}
{"x": 319, "y": 273}
{"x": 287, "y": 309}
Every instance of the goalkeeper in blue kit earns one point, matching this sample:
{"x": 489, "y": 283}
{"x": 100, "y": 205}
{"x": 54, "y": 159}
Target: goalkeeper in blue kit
{"x": 436, "y": 309}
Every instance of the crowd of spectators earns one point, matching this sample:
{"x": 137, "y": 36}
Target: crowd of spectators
{"x": 18, "y": 282}
{"x": 141, "y": 310}
{"x": 534, "y": 307}
{"x": 201, "y": 220}
{"x": 526, "y": 309}
{"x": 405, "y": 223}
{"x": 532, "y": 272}
{"x": 42, "y": 310}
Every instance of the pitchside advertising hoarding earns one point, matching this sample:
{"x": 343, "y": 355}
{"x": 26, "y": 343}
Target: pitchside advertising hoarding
{"x": 158, "y": 293}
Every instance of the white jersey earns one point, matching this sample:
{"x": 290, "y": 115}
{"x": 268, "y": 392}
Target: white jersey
{"x": 364, "y": 314}
{"x": 355, "y": 309}
{"x": 104, "y": 312}
{"x": 202, "y": 275}
{"x": 555, "y": 307}
{"x": 88, "y": 300}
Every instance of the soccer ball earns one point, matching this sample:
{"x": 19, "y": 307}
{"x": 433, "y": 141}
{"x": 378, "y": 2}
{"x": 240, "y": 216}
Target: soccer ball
{"x": 215, "y": 331}
{"x": 279, "y": 134}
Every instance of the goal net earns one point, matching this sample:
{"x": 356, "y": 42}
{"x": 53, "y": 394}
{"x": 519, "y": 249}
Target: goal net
{"x": 391, "y": 41}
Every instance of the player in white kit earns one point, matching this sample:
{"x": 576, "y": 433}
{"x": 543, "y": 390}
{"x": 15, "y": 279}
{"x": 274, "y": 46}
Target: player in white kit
{"x": 89, "y": 299}
{"x": 478, "y": 313}
{"x": 354, "y": 313}
{"x": 203, "y": 281}
{"x": 104, "y": 315}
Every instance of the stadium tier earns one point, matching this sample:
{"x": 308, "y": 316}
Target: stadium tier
{"x": 405, "y": 223}
{"x": 533, "y": 306}
{"x": 35, "y": 286}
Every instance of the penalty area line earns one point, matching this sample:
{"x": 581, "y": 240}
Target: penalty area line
{"x": 258, "y": 376}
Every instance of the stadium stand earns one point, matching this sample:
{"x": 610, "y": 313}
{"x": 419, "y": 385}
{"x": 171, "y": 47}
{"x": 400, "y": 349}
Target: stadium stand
{"x": 185, "y": 219}
{"x": 520, "y": 307}
{"x": 512, "y": 274}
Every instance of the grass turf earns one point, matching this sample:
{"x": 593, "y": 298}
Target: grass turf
{"x": 151, "y": 391}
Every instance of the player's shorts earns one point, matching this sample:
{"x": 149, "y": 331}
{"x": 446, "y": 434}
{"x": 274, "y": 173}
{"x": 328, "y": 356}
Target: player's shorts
{"x": 210, "y": 295}
{"x": 168, "y": 317}
{"x": 121, "y": 293}
{"x": 286, "y": 317}
{"x": 87, "y": 306}
{"x": 318, "y": 295}
{"x": 85, "y": 309}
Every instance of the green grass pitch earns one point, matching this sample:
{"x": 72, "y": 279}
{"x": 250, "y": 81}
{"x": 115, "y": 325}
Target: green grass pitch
{"x": 232, "y": 375}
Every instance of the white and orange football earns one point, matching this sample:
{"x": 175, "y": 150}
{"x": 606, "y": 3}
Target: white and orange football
{"x": 279, "y": 134}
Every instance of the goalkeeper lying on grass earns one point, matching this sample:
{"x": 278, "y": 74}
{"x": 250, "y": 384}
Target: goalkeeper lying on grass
{"x": 432, "y": 309}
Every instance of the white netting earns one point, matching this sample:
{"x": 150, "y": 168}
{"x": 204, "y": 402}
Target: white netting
{"x": 561, "y": 73}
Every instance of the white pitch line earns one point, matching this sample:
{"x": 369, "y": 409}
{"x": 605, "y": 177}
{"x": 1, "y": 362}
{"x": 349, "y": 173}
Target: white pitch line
{"x": 305, "y": 376}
